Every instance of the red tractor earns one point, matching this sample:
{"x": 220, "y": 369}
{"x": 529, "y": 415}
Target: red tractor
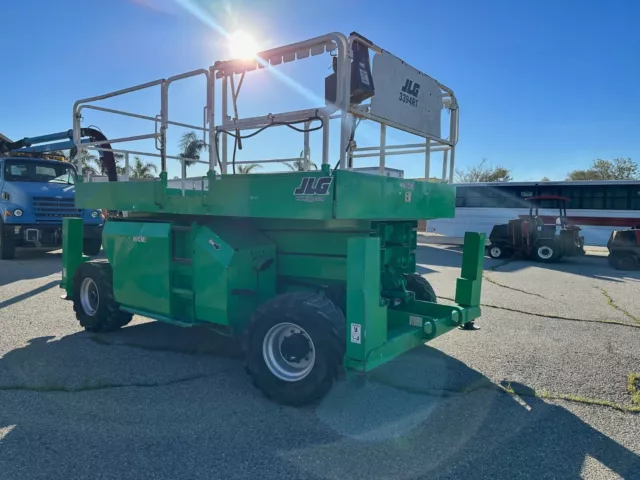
{"x": 529, "y": 236}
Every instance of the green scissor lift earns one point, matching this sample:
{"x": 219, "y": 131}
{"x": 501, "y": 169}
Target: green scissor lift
{"x": 314, "y": 270}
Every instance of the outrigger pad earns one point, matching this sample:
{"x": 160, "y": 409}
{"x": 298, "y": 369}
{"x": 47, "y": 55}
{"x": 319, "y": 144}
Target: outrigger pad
{"x": 469, "y": 326}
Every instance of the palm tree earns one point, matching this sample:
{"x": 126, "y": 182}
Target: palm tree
{"x": 300, "y": 164}
{"x": 91, "y": 163}
{"x": 140, "y": 169}
{"x": 190, "y": 147}
{"x": 248, "y": 167}
{"x": 120, "y": 169}
{"x": 87, "y": 161}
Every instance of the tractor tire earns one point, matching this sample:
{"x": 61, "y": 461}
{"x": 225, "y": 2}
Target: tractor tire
{"x": 421, "y": 287}
{"x": 625, "y": 261}
{"x": 294, "y": 346}
{"x": 496, "y": 251}
{"x": 338, "y": 295}
{"x": 7, "y": 247}
{"x": 93, "y": 301}
{"x": 91, "y": 246}
{"x": 545, "y": 252}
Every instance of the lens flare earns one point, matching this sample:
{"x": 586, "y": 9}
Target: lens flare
{"x": 242, "y": 45}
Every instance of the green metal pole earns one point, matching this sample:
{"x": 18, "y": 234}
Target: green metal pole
{"x": 72, "y": 234}
{"x": 469, "y": 285}
{"x": 366, "y": 317}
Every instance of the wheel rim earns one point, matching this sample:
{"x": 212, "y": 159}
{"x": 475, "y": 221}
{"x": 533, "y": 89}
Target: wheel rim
{"x": 496, "y": 252}
{"x": 545, "y": 252}
{"x": 89, "y": 296}
{"x": 288, "y": 352}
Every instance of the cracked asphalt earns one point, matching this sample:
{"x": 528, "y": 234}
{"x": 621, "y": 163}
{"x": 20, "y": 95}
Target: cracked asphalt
{"x": 154, "y": 401}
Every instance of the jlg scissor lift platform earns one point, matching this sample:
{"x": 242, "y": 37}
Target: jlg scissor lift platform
{"x": 315, "y": 270}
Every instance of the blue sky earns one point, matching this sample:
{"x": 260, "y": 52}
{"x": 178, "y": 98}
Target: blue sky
{"x": 544, "y": 86}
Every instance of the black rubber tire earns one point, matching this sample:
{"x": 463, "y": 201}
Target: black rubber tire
{"x": 491, "y": 254}
{"x": 542, "y": 245}
{"x": 7, "y": 247}
{"x": 91, "y": 246}
{"x": 338, "y": 295}
{"x": 108, "y": 316}
{"x": 421, "y": 287}
{"x": 326, "y": 326}
{"x": 625, "y": 261}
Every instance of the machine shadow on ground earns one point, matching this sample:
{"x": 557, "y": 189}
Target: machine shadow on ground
{"x": 432, "y": 414}
{"x": 592, "y": 266}
{"x": 428, "y": 257}
{"x": 29, "y": 264}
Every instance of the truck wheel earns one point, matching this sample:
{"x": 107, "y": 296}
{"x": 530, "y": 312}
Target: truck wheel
{"x": 7, "y": 247}
{"x": 91, "y": 246}
{"x": 421, "y": 287}
{"x": 545, "y": 252}
{"x": 93, "y": 302}
{"x": 294, "y": 346}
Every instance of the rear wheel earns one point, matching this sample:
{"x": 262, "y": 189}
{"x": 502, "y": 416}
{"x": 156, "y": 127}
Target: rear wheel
{"x": 545, "y": 252}
{"x": 93, "y": 301}
{"x": 421, "y": 287}
{"x": 7, "y": 247}
{"x": 295, "y": 344}
{"x": 91, "y": 246}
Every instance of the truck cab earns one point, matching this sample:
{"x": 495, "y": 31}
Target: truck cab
{"x": 35, "y": 195}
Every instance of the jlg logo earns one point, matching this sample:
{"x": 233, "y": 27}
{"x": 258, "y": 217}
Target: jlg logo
{"x": 313, "y": 186}
{"x": 409, "y": 93}
{"x": 313, "y": 189}
{"x": 411, "y": 88}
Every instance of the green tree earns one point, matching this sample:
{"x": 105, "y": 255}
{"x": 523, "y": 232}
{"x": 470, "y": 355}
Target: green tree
{"x": 616, "y": 169}
{"x": 248, "y": 168}
{"x": 141, "y": 169}
{"x": 545, "y": 179}
{"x": 91, "y": 163}
{"x": 190, "y": 147}
{"x": 483, "y": 173}
{"x": 88, "y": 162}
{"x": 120, "y": 168}
{"x": 299, "y": 164}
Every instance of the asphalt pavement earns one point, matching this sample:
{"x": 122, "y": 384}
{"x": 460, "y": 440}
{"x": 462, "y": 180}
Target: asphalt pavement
{"x": 540, "y": 391}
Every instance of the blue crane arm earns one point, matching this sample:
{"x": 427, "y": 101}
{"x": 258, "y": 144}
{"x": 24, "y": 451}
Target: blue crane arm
{"x": 52, "y": 142}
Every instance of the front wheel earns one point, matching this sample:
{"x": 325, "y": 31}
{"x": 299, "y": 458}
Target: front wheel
{"x": 294, "y": 346}
{"x": 7, "y": 247}
{"x": 91, "y": 246}
{"x": 496, "y": 251}
{"x": 624, "y": 261}
{"x": 545, "y": 252}
{"x": 93, "y": 301}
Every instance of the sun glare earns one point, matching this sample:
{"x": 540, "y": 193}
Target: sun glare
{"x": 242, "y": 45}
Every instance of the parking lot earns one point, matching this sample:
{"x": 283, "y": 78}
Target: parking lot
{"x": 542, "y": 390}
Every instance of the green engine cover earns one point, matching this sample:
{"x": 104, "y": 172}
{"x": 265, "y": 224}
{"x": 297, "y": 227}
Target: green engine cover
{"x": 140, "y": 256}
{"x": 213, "y": 272}
{"x": 234, "y": 272}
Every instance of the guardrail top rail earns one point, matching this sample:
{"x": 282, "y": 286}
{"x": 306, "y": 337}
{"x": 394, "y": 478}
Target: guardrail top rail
{"x": 383, "y": 89}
